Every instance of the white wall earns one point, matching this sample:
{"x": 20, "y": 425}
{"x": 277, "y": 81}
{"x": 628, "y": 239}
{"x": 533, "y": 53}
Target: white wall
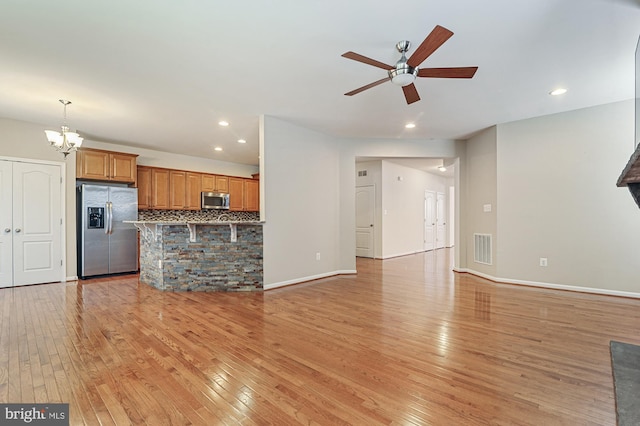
{"x": 481, "y": 189}
{"x": 302, "y": 203}
{"x": 403, "y": 201}
{"x": 309, "y": 182}
{"x": 558, "y": 199}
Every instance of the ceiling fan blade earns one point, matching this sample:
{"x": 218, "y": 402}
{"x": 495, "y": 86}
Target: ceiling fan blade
{"x": 368, "y": 86}
{"x": 456, "y": 72}
{"x": 411, "y": 93}
{"x": 435, "y": 39}
{"x": 358, "y": 57}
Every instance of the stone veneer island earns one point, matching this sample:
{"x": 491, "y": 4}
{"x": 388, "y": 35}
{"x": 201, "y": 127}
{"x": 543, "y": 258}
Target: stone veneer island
{"x": 201, "y": 256}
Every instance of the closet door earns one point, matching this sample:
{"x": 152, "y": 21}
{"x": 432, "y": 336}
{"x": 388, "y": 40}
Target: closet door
{"x": 37, "y": 223}
{"x": 6, "y": 224}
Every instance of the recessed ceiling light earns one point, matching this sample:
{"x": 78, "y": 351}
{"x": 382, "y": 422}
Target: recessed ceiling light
{"x": 559, "y": 91}
{"x": 223, "y": 123}
{"x": 217, "y": 148}
{"x": 442, "y": 168}
{"x": 241, "y": 141}
{"x": 410, "y": 125}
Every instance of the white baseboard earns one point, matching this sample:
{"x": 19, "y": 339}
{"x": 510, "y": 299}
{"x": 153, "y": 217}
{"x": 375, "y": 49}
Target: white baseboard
{"x": 309, "y": 278}
{"x": 578, "y": 289}
{"x": 74, "y": 278}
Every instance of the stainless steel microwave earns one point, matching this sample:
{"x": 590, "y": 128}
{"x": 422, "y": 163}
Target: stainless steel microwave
{"x": 215, "y": 200}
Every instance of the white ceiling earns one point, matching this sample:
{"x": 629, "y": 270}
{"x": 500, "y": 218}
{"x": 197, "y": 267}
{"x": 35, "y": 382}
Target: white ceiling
{"x": 160, "y": 74}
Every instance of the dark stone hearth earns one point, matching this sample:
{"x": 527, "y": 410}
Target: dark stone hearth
{"x": 625, "y": 362}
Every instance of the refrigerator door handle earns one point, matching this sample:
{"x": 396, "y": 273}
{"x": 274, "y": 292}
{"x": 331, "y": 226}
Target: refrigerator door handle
{"x": 110, "y": 217}
{"x": 107, "y": 218}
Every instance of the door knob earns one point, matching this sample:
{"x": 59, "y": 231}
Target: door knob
{"x": 18, "y": 229}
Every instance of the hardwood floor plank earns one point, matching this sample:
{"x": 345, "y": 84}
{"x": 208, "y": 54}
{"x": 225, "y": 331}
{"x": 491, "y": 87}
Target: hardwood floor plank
{"x": 405, "y": 341}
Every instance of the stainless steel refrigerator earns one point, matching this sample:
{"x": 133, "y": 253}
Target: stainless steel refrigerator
{"x": 106, "y": 245}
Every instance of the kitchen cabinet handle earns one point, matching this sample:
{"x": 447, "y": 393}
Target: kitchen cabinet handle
{"x": 18, "y": 229}
{"x": 7, "y": 229}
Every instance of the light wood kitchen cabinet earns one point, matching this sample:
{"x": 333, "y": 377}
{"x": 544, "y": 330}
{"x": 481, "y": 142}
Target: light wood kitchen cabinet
{"x": 144, "y": 187}
{"x": 185, "y": 188}
{"x": 177, "y": 187}
{"x": 169, "y": 189}
{"x": 95, "y": 164}
{"x": 215, "y": 183}
{"x": 160, "y": 188}
{"x": 222, "y": 184}
{"x": 193, "y": 191}
{"x": 208, "y": 183}
{"x": 251, "y": 195}
{"x": 236, "y": 194}
{"x": 244, "y": 194}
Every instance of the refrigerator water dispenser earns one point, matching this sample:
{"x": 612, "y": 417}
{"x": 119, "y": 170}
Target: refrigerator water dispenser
{"x": 96, "y": 217}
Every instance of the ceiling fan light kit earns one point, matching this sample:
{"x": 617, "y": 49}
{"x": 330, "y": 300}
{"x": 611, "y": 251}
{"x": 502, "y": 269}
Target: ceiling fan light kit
{"x": 403, "y": 74}
{"x": 406, "y": 70}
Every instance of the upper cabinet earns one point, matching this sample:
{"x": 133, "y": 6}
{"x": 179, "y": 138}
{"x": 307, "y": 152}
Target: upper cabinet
{"x": 144, "y": 187}
{"x": 215, "y": 183}
{"x": 185, "y": 188}
{"x": 95, "y": 164}
{"x": 252, "y": 195}
{"x": 244, "y": 194}
{"x": 168, "y": 189}
{"x": 236, "y": 194}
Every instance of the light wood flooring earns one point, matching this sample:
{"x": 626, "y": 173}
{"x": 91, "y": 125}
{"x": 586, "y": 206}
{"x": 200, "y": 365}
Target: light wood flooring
{"x": 404, "y": 342}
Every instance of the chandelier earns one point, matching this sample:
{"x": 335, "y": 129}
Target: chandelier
{"x": 65, "y": 141}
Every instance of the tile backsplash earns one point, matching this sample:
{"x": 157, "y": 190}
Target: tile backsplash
{"x": 198, "y": 215}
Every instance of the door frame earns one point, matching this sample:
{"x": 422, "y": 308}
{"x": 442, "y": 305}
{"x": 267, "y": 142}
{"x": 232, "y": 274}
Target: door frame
{"x": 63, "y": 207}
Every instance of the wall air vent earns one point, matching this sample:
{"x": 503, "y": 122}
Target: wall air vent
{"x": 482, "y": 248}
{"x": 362, "y": 173}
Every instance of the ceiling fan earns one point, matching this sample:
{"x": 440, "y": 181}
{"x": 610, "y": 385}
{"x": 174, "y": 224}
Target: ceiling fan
{"x": 406, "y": 70}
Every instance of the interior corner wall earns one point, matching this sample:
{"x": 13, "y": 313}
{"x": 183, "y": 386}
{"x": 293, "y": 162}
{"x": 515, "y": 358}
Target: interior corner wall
{"x": 26, "y": 140}
{"x": 302, "y": 203}
{"x": 480, "y": 190}
{"x": 558, "y": 199}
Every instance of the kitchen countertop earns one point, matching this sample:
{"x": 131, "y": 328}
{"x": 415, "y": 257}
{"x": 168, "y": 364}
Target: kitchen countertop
{"x": 194, "y": 222}
{"x": 150, "y": 228}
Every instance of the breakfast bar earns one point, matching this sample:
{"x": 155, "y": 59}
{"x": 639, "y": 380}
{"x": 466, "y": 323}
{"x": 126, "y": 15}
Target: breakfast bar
{"x": 201, "y": 255}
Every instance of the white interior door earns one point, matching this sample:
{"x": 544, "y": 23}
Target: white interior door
{"x": 37, "y": 223}
{"x": 441, "y": 221}
{"x": 6, "y": 224}
{"x": 429, "y": 220}
{"x": 365, "y": 215}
